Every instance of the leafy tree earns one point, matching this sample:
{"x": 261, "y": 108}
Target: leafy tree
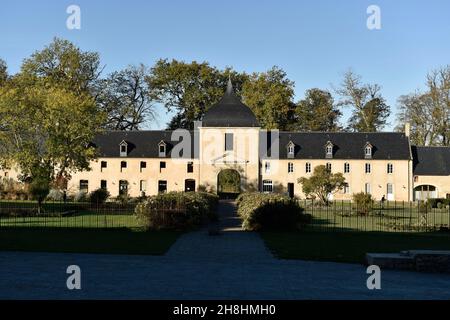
{"x": 322, "y": 183}
{"x": 188, "y": 88}
{"x": 3, "y": 72}
{"x": 269, "y": 95}
{"x": 124, "y": 96}
{"x": 47, "y": 130}
{"x": 417, "y": 110}
{"x": 62, "y": 64}
{"x": 428, "y": 112}
{"x": 369, "y": 108}
{"x": 39, "y": 189}
{"x": 317, "y": 112}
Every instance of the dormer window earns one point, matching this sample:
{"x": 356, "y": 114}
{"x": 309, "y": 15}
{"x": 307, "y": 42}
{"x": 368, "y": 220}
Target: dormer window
{"x": 290, "y": 149}
{"x": 162, "y": 149}
{"x": 123, "y": 149}
{"x": 329, "y": 150}
{"x": 368, "y": 151}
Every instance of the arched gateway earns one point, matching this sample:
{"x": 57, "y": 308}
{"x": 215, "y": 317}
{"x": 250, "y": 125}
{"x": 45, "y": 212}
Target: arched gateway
{"x": 228, "y": 183}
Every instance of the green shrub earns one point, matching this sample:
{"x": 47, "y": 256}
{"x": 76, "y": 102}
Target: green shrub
{"x": 433, "y": 202}
{"x": 260, "y": 211}
{"x": 363, "y": 203}
{"x": 176, "y": 210}
{"x": 80, "y": 196}
{"x": 99, "y": 196}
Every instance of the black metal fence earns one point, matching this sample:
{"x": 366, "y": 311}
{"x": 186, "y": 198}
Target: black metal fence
{"x": 67, "y": 214}
{"x": 387, "y": 216}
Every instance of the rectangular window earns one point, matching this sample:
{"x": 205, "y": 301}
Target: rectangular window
{"x": 190, "y": 167}
{"x": 291, "y": 151}
{"x": 228, "y": 141}
{"x": 162, "y": 165}
{"x": 84, "y": 186}
{"x": 123, "y": 187}
{"x": 123, "y": 165}
{"x": 267, "y": 186}
{"x": 162, "y": 150}
{"x": 103, "y": 165}
{"x": 390, "y": 189}
{"x": 367, "y": 167}
{"x": 346, "y": 167}
{"x": 143, "y": 185}
{"x": 346, "y": 188}
{"x": 267, "y": 167}
{"x": 308, "y": 167}
{"x": 143, "y": 165}
{"x": 329, "y": 167}
{"x": 390, "y": 168}
{"x": 162, "y": 186}
{"x": 290, "y": 167}
{"x": 103, "y": 185}
{"x": 367, "y": 188}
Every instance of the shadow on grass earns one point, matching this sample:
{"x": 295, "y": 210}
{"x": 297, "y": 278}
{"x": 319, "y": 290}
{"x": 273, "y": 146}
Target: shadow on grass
{"x": 349, "y": 246}
{"x": 84, "y": 240}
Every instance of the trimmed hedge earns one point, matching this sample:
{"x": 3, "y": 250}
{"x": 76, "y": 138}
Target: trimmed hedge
{"x": 177, "y": 210}
{"x": 261, "y": 211}
{"x": 434, "y": 202}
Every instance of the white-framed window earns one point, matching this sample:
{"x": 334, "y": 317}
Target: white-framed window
{"x": 267, "y": 186}
{"x": 290, "y": 167}
{"x": 143, "y": 185}
{"x": 368, "y": 151}
{"x": 308, "y": 167}
{"x": 367, "y": 168}
{"x": 267, "y": 167}
{"x": 329, "y": 150}
{"x": 346, "y": 188}
{"x": 123, "y": 146}
{"x": 328, "y": 166}
{"x": 162, "y": 149}
{"x": 390, "y": 168}
{"x": 367, "y": 188}
{"x": 346, "y": 167}
{"x": 390, "y": 189}
{"x": 84, "y": 186}
{"x": 291, "y": 150}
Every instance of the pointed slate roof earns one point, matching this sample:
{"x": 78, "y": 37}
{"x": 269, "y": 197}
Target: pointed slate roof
{"x": 431, "y": 161}
{"x": 229, "y": 112}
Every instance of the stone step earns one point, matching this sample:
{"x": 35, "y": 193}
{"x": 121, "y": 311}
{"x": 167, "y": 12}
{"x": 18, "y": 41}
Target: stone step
{"x": 391, "y": 261}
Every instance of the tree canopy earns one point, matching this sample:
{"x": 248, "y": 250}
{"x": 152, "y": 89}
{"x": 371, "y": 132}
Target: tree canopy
{"x": 369, "y": 109}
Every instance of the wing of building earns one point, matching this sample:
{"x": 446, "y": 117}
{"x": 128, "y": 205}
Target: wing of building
{"x": 229, "y": 147}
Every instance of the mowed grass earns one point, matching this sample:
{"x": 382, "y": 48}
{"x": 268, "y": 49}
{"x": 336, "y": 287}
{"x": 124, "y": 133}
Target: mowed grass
{"x": 348, "y": 246}
{"x": 79, "y": 220}
{"x": 110, "y": 241}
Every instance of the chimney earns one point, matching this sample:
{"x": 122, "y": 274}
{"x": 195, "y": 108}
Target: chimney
{"x": 407, "y": 129}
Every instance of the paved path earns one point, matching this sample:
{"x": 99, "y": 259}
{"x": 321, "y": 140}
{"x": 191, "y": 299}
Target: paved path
{"x": 233, "y": 265}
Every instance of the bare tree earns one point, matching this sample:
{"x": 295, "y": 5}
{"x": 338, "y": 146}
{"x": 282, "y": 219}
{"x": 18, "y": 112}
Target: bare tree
{"x": 124, "y": 96}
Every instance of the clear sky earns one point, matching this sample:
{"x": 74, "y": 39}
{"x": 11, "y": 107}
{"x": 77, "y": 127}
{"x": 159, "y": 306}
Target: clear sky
{"x": 315, "y": 42}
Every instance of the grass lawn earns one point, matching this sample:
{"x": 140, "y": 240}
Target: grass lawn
{"x": 113, "y": 241}
{"x": 348, "y": 246}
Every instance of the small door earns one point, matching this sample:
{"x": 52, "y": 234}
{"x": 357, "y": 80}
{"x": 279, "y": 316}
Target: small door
{"x": 291, "y": 190}
{"x": 390, "y": 192}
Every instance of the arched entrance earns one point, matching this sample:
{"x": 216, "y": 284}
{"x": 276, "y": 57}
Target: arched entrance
{"x": 425, "y": 192}
{"x": 228, "y": 183}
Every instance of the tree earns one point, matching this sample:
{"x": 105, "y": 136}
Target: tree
{"x": 3, "y": 72}
{"x": 39, "y": 189}
{"x": 124, "y": 97}
{"x": 417, "y": 110}
{"x": 188, "y": 88}
{"x": 428, "y": 112}
{"x": 322, "y": 183}
{"x": 269, "y": 95}
{"x": 62, "y": 64}
{"x": 369, "y": 108}
{"x": 317, "y": 112}
{"x": 47, "y": 131}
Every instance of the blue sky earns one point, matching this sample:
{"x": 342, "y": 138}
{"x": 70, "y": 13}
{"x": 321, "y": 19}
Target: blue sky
{"x": 315, "y": 42}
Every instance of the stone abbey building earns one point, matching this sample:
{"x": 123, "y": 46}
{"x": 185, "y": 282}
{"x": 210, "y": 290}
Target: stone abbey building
{"x": 230, "y": 140}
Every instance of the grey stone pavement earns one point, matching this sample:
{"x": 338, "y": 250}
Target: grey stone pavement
{"x": 233, "y": 265}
